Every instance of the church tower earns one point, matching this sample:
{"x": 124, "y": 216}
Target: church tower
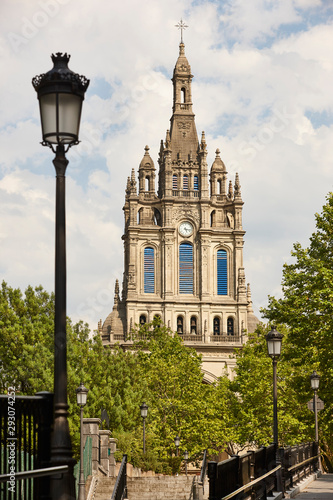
{"x": 183, "y": 246}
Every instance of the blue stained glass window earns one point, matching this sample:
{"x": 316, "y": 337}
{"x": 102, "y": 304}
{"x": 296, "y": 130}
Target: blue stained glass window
{"x": 196, "y": 183}
{"x": 185, "y": 268}
{"x": 174, "y": 182}
{"x": 185, "y": 182}
{"x": 222, "y": 273}
{"x": 149, "y": 270}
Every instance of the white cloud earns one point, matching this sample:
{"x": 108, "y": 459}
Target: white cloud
{"x": 252, "y": 100}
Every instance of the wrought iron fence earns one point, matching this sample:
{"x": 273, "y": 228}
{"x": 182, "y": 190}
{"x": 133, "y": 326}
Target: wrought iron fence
{"x": 25, "y": 432}
{"x": 253, "y": 475}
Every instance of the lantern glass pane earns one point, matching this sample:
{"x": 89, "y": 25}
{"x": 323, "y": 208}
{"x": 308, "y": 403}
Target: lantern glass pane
{"x": 60, "y": 118}
{"x": 47, "y": 105}
{"x": 274, "y": 347}
{"x": 315, "y": 383}
{"x": 69, "y": 117}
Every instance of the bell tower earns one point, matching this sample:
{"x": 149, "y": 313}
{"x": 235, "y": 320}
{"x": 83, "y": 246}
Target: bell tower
{"x": 183, "y": 247}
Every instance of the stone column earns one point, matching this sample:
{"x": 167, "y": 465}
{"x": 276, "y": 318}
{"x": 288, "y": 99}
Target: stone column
{"x": 112, "y": 460}
{"x": 91, "y": 428}
{"x": 104, "y": 436}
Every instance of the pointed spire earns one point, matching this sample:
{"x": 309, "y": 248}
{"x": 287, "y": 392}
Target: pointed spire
{"x": 203, "y": 145}
{"x": 133, "y": 186}
{"x": 249, "y": 299}
{"x": 231, "y": 191}
{"x": 116, "y": 293}
{"x": 237, "y": 187}
{"x": 167, "y": 140}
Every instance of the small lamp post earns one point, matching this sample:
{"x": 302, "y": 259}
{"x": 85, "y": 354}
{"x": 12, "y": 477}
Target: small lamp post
{"x": 274, "y": 342}
{"x": 144, "y": 413}
{"x": 81, "y": 398}
{"x": 177, "y": 443}
{"x": 60, "y": 93}
{"x": 186, "y": 459}
{"x": 315, "y": 378}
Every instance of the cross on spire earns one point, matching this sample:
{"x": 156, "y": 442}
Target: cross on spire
{"x": 181, "y": 26}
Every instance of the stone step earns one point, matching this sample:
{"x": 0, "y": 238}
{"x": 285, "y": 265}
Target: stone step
{"x": 148, "y": 488}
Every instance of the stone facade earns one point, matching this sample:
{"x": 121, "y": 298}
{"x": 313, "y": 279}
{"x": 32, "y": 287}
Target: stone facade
{"x": 183, "y": 245}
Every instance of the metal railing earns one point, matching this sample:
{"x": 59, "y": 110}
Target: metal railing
{"x": 253, "y": 475}
{"x": 120, "y": 488}
{"x": 25, "y": 431}
{"x": 298, "y": 462}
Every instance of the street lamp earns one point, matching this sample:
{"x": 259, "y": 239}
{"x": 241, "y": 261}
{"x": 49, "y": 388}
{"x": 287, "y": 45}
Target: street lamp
{"x": 186, "y": 459}
{"x": 144, "y": 413}
{"x": 177, "y": 443}
{"x": 60, "y": 93}
{"x": 315, "y": 378}
{"x": 274, "y": 341}
{"x": 81, "y": 399}
{"x": 315, "y": 386}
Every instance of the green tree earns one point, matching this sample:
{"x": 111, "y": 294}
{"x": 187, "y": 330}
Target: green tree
{"x": 253, "y": 386}
{"x": 307, "y": 309}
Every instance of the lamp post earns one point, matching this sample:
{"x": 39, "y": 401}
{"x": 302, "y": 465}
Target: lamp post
{"x": 144, "y": 413}
{"x": 315, "y": 386}
{"x": 186, "y": 459}
{"x": 274, "y": 342}
{"x": 315, "y": 378}
{"x": 60, "y": 93}
{"x": 177, "y": 443}
{"x": 81, "y": 398}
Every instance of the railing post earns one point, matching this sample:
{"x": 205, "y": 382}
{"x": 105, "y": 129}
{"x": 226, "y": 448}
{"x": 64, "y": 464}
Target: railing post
{"x": 212, "y": 476}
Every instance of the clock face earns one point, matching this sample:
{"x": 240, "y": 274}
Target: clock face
{"x": 186, "y": 229}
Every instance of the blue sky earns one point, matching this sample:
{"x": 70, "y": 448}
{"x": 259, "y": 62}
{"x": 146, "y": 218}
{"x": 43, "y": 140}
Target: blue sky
{"x": 262, "y": 92}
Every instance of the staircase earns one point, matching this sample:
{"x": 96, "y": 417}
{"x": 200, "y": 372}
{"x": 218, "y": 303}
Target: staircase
{"x": 148, "y": 488}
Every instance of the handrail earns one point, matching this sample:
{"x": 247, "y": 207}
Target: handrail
{"x": 302, "y": 463}
{"x": 252, "y": 483}
{"x": 121, "y": 477}
{"x": 48, "y": 471}
{"x": 203, "y": 468}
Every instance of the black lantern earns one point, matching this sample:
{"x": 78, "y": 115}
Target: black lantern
{"x": 60, "y": 93}
{"x": 315, "y": 378}
{"x": 144, "y": 413}
{"x": 274, "y": 342}
{"x": 177, "y": 443}
{"x": 81, "y": 395}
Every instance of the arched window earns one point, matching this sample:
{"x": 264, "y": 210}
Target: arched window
{"x": 185, "y": 268}
{"x": 230, "y": 326}
{"x": 193, "y": 325}
{"x": 185, "y": 182}
{"x": 183, "y": 95}
{"x": 147, "y": 182}
{"x": 212, "y": 218}
{"x": 180, "y": 325}
{"x": 196, "y": 183}
{"x": 219, "y": 186}
{"x": 143, "y": 319}
{"x": 149, "y": 270}
{"x": 216, "y": 325}
{"x": 174, "y": 182}
{"x": 222, "y": 273}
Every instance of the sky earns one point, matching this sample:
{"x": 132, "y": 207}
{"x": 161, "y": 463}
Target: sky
{"x": 262, "y": 92}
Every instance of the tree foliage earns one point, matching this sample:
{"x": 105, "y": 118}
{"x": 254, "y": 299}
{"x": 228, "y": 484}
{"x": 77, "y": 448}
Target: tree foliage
{"x": 306, "y": 308}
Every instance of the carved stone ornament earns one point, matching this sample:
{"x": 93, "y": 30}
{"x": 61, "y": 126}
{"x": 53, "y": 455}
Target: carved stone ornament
{"x": 184, "y": 125}
{"x": 189, "y": 213}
